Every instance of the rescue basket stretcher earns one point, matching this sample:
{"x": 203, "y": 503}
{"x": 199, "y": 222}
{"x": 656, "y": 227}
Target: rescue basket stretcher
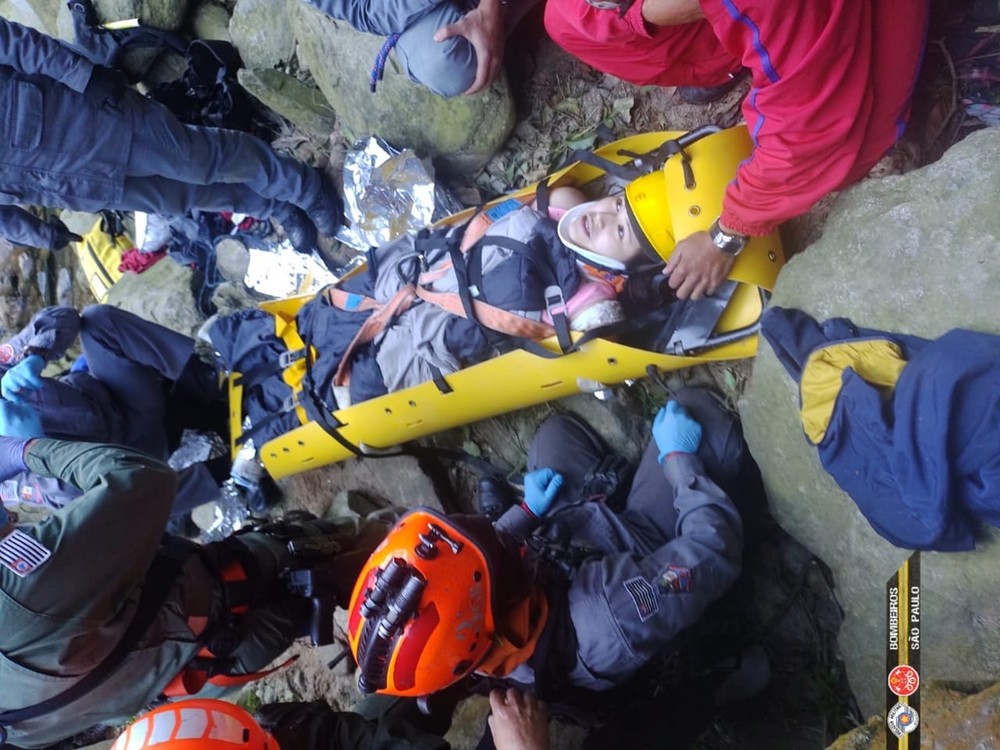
{"x": 723, "y": 327}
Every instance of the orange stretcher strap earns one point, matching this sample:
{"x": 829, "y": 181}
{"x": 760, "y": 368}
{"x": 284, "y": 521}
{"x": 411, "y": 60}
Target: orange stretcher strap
{"x": 494, "y": 318}
{"x": 190, "y": 681}
{"x": 372, "y": 327}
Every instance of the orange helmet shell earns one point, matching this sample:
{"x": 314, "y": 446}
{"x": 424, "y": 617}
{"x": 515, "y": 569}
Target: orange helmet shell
{"x": 200, "y": 724}
{"x": 446, "y": 629}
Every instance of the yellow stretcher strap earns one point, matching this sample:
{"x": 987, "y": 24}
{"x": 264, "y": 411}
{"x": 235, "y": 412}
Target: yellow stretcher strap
{"x": 878, "y": 362}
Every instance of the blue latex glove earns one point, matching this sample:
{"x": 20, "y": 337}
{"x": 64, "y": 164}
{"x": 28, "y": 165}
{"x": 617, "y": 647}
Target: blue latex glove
{"x": 540, "y": 488}
{"x": 675, "y": 432}
{"x": 19, "y": 420}
{"x": 25, "y": 376}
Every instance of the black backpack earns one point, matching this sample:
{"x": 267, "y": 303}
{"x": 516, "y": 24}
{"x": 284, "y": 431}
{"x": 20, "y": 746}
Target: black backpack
{"x": 209, "y": 94}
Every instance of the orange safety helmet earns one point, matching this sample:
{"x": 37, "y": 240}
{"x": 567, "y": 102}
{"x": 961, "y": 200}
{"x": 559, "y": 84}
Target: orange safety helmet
{"x": 422, "y": 615}
{"x": 200, "y": 724}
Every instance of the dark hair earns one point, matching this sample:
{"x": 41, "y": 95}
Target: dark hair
{"x": 647, "y": 248}
{"x": 645, "y": 290}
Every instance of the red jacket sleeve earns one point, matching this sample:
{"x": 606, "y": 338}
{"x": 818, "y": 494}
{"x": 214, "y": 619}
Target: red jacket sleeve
{"x": 806, "y": 110}
{"x": 813, "y": 110}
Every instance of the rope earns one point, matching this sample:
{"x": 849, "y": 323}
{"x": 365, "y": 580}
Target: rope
{"x": 378, "y": 69}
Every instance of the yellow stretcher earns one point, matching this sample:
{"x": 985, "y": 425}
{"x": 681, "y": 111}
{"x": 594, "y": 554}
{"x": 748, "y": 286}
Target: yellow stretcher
{"x": 519, "y": 379}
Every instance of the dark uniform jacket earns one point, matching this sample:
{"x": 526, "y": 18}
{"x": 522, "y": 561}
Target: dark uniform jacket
{"x": 69, "y": 587}
{"x": 60, "y": 146}
{"x": 629, "y": 599}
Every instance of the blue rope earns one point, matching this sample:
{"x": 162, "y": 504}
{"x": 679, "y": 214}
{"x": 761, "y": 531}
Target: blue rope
{"x": 378, "y": 69}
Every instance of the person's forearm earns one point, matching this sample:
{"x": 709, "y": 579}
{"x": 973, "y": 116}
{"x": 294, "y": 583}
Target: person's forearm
{"x": 670, "y": 12}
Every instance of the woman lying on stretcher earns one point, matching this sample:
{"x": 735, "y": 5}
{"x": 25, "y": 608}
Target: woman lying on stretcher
{"x": 431, "y": 304}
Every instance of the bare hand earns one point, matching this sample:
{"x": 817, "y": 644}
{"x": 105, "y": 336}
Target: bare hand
{"x": 519, "y": 721}
{"x": 483, "y": 27}
{"x": 697, "y": 267}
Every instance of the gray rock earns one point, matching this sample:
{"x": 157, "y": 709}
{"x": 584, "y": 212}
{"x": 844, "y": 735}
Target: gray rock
{"x": 38, "y": 14}
{"x": 232, "y": 259}
{"x": 460, "y": 133}
{"x": 294, "y": 100}
{"x": 211, "y": 21}
{"x": 168, "y": 66}
{"x": 917, "y": 254}
{"x": 260, "y": 29}
{"x": 168, "y": 15}
{"x": 163, "y": 294}
{"x": 231, "y": 296}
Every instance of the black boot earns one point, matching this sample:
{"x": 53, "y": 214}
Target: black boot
{"x": 299, "y": 230}
{"x": 495, "y": 497}
{"x": 708, "y": 94}
{"x": 327, "y": 211}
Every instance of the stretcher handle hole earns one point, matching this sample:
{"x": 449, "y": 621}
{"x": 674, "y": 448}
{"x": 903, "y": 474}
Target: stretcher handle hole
{"x": 694, "y": 210}
{"x": 613, "y": 361}
{"x": 771, "y": 255}
{"x": 388, "y": 412}
{"x": 286, "y": 449}
{"x": 413, "y": 404}
{"x": 301, "y": 443}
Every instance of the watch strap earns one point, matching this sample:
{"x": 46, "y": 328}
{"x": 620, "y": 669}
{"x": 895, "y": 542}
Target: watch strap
{"x": 730, "y": 243}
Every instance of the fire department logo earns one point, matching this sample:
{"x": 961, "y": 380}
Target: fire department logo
{"x": 902, "y": 719}
{"x": 904, "y": 680}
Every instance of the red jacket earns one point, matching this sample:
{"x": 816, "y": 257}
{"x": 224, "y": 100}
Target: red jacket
{"x": 831, "y": 83}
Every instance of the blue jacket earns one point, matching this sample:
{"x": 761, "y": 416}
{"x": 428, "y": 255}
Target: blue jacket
{"x": 922, "y": 464}
{"x": 63, "y": 144}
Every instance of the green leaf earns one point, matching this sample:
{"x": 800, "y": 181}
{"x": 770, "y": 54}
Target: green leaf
{"x": 729, "y": 379}
{"x": 622, "y": 108}
{"x": 571, "y": 106}
{"x": 585, "y": 141}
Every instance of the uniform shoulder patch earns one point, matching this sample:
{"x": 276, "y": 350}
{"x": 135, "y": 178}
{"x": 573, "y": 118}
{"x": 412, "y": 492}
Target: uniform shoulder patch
{"x": 6, "y": 354}
{"x": 675, "y": 580}
{"x": 643, "y": 597}
{"x": 22, "y": 554}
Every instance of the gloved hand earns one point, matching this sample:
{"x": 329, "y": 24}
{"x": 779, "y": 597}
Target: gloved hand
{"x": 540, "y": 488}
{"x": 25, "y": 376}
{"x": 20, "y": 420}
{"x": 675, "y": 432}
{"x": 61, "y": 235}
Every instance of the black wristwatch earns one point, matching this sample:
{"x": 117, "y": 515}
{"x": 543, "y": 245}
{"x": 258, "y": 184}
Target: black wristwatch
{"x": 728, "y": 242}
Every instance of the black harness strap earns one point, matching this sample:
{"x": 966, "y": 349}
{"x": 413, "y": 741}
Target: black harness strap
{"x": 261, "y": 372}
{"x": 163, "y": 571}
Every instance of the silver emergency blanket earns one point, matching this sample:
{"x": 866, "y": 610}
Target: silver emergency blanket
{"x": 388, "y": 193}
{"x": 279, "y": 271}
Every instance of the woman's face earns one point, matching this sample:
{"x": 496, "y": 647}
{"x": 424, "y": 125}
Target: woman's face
{"x": 605, "y": 228}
